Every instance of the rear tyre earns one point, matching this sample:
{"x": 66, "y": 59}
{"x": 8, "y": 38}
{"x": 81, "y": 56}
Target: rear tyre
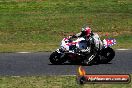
{"x": 55, "y": 58}
{"x": 107, "y": 55}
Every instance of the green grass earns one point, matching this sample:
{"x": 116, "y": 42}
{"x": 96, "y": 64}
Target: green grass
{"x": 52, "y": 82}
{"x": 39, "y": 25}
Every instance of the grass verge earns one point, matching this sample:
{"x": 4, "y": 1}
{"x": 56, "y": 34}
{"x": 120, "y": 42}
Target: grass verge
{"x": 123, "y": 41}
{"x": 39, "y": 25}
{"x": 52, "y": 82}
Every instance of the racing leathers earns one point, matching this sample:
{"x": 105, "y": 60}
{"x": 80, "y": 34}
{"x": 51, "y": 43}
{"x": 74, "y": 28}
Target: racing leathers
{"x": 93, "y": 41}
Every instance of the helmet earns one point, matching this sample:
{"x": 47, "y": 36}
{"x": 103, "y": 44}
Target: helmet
{"x": 86, "y": 30}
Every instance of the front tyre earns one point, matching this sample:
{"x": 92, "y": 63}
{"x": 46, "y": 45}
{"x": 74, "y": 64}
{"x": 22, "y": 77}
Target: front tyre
{"x": 107, "y": 55}
{"x": 55, "y": 58}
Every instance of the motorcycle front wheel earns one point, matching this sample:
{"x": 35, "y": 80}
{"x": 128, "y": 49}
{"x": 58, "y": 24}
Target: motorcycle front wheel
{"x": 55, "y": 58}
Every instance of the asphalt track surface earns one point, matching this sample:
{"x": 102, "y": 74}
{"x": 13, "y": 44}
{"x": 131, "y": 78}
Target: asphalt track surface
{"x": 30, "y": 64}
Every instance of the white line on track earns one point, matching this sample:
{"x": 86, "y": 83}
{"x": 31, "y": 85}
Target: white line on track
{"x": 122, "y": 49}
{"x": 23, "y": 52}
{"x": 16, "y": 76}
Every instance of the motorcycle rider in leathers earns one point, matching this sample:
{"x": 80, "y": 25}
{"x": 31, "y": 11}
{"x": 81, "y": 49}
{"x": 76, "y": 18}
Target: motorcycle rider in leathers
{"x": 87, "y": 33}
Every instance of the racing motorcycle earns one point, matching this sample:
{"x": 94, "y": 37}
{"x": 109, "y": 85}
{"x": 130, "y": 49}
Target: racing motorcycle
{"x": 84, "y": 51}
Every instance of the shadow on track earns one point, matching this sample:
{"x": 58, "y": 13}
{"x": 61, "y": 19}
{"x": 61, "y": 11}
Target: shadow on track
{"x": 77, "y": 64}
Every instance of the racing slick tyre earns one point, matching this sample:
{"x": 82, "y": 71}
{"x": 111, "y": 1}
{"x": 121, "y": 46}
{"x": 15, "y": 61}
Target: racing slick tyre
{"x": 56, "y": 58}
{"x": 107, "y": 55}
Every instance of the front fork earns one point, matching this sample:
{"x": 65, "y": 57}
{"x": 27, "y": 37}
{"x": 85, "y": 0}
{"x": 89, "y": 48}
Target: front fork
{"x": 60, "y": 51}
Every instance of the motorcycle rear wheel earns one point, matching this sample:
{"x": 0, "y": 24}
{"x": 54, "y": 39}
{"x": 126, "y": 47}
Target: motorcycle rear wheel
{"x": 107, "y": 55}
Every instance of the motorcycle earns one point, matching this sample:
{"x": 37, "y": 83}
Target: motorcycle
{"x": 84, "y": 51}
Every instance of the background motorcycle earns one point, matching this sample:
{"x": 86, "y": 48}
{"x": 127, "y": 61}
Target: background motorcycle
{"x": 83, "y": 51}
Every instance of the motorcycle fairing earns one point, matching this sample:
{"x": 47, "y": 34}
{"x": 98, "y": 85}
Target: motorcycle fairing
{"x": 79, "y": 43}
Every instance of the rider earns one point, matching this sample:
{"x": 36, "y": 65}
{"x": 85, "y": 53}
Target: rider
{"x": 87, "y": 33}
